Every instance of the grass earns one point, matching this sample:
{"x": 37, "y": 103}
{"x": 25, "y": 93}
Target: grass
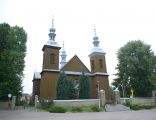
{"x": 76, "y": 109}
{"x": 95, "y": 109}
{"x": 141, "y": 107}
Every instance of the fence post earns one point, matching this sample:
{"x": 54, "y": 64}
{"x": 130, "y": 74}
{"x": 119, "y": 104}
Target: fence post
{"x": 36, "y": 100}
{"x": 102, "y": 98}
{"x": 13, "y": 102}
{"x": 116, "y": 96}
{"x": 154, "y": 95}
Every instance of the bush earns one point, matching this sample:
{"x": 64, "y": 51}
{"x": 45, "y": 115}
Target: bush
{"x": 135, "y": 107}
{"x": 46, "y": 103}
{"x": 31, "y": 103}
{"x": 57, "y": 109}
{"x": 95, "y": 109}
{"x": 76, "y": 109}
{"x": 148, "y": 107}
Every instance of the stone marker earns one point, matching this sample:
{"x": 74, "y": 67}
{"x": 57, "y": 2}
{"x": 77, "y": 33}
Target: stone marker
{"x": 116, "y": 97}
{"x": 36, "y": 100}
{"x": 13, "y": 102}
{"x": 102, "y": 98}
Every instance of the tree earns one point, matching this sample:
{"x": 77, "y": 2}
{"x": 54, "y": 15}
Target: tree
{"x": 13, "y": 48}
{"x": 61, "y": 88}
{"x": 65, "y": 88}
{"x": 136, "y": 65}
{"x": 71, "y": 91}
{"x": 84, "y": 87}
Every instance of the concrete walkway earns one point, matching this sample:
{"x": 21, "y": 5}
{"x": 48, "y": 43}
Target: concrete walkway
{"x": 116, "y": 107}
{"x": 33, "y": 115}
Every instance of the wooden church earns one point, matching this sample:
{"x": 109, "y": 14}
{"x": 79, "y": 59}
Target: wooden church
{"x": 45, "y": 82}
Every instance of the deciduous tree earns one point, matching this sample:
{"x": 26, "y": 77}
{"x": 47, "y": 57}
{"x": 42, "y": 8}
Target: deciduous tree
{"x": 13, "y": 50}
{"x": 136, "y": 69}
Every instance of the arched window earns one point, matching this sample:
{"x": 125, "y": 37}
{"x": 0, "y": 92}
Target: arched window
{"x": 43, "y": 58}
{"x": 93, "y": 64}
{"x": 101, "y": 63}
{"x": 52, "y": 58}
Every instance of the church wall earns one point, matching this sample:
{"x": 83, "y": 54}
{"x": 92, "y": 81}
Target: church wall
{"x": 103, "y": 84}
{"x": 48, "y": 85}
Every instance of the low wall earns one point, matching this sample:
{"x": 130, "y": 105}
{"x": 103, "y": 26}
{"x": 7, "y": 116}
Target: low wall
{"x": 124, "y": 100}
{"x": 5, "y": 105}
{"x": 142, "y": 100}
{"x": 8, "y": 104}
{"x": 85, "y": 102}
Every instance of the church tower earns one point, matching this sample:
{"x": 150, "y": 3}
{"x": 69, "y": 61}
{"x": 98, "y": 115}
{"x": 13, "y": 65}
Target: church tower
{"x": 98, "y": 68}
{"x": 63, "y": 56}
{"x": 50, "y": 69}
{"x": 51, "y": 51}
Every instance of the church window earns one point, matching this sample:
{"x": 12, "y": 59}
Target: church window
{"x": 93, "y": 64}
{"x": 43, "y": 58}
{"x": 52, "y": 58}
{"x": 101, "y": 63}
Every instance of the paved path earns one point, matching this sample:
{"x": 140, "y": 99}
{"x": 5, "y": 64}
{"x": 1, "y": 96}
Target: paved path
{"x": 122, "y": 115}
{"x": 116, "y": 107}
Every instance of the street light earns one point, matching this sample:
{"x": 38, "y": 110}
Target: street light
{"x": 98, "y": 87}
{"x": 9, "y": 96}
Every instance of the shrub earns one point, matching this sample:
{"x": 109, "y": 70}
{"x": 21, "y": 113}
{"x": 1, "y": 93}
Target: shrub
{"x": 95, "y": 109}
{"x": 135, "y": 107}
{"x": 31, "y": 103}
{"x": 57, "y": 109}
{"x": 46, "y": 103}
{"x": 76, "y": 109}
{"x": 21, "y": 103}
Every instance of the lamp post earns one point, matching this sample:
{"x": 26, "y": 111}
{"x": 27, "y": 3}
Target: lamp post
{"x": 98, "y": 89}
{"x": 9, "y": 96}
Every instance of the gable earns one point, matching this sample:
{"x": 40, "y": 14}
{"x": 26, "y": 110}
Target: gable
{"x": 75, "y": 64}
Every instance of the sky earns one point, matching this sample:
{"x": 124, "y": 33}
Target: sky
{"x": 117, "y": 22}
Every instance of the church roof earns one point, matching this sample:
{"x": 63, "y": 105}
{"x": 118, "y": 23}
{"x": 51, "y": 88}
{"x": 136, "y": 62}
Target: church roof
{"x": 97, "y": 49}
{"x": 75, "y": 65}
{"x": 52, "y": 35}
{"x": 37, "y": 76}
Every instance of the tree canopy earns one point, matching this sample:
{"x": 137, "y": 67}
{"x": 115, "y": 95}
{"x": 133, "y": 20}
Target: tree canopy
{"x": 13, "y": 50}
{"x": 136, "y": 69}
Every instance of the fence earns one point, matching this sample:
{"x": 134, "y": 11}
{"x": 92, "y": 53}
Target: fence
{"x": 142, "y": 100}
{"x": 4, "y": 105}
